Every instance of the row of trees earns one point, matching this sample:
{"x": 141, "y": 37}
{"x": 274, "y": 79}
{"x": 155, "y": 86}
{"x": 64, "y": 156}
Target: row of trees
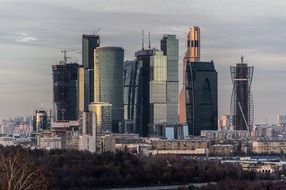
{"x": 69, "y": 169}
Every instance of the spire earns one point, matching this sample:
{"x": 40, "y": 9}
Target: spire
{"x": 142, "y": 39}
{"x": 149, "y": 41}
{"x": 241, "y": 58}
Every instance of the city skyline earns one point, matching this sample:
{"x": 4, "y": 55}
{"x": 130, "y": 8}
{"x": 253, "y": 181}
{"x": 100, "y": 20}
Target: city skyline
{"x": 30, "y": 44}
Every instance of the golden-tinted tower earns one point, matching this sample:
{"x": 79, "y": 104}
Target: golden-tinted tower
{"x": 192, "y": 55}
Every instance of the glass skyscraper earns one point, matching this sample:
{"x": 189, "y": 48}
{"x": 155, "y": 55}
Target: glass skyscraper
{"x": 170, "y": 47}
{"x": 65, "y": 91}
{"x": 89, "y": 43}
{"x": 108, "y": 80}
{"x": 201, "y": 97}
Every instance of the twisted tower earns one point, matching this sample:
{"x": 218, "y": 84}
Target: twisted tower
{"x": 241, "y": 100}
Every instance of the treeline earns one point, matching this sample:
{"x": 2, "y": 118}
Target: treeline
{"x": 71, "y": 169}
{"x": 243, "y": 184}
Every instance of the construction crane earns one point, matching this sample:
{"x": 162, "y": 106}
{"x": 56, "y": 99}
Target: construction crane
{"x": 65, "y": 61}
{"x": 97, "y": 31}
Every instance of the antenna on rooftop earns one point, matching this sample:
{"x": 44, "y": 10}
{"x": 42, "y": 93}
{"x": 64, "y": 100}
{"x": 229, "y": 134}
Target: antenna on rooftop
{"x": 142, "y": 39}
{"x": 149, "y": 41}
{"x": 241, "y": 58}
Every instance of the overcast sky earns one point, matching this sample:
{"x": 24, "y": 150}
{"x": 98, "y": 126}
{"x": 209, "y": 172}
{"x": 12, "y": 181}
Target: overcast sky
{"x": 33, "y": 32}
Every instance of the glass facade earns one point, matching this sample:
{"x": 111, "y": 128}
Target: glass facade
{"x": 103, "y": 113}
{"x": 170, "y": 47}
{"x": 108, "y": 80}
{"x": 89, "y": 43}
{"x": 81, "y": 89}
{"x": 201, "y": 97}
{"x": 65, "y": 91}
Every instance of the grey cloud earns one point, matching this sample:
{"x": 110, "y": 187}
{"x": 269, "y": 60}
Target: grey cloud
{"x": 229, "y": 29}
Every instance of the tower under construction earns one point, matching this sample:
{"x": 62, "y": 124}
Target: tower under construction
{"x": 65, "y": 90}
{"x": 241, "y": 100}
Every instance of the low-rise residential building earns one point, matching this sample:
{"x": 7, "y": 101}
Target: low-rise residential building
{"x": 225, "y": 134}
{"x": 52, "y": 142}
{"x": 268, "y": 146}
{"x": 7, "y": 141}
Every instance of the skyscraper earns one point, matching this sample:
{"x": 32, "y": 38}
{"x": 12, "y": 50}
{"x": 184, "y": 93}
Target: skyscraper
{"x": 241, "y": 99}
{"x": 131, "y": 76}
{"x": 201, "y": 97}
{"x": 192, "y": 55}
{"x": 65, "y": 91}
{"x": 198, "y": 98}
{"x": 81, "y": 90}
{"x": 170, "y": 47}
{"x": 89, "y": 43}
{"x": 108, "y": 80}
{"x": 151, "y": 101}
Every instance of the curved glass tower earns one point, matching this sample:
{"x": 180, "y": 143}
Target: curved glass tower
{"x": 201, "y": 97}
{"x": 108, "y": 80}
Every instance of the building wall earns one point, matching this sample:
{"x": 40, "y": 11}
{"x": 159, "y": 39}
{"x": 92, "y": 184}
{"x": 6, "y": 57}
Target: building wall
{"x": 65, "y": 91}
{"x": 268, "y": 146}
{"x": 201, "y": 100}
{"x": 108, "y": 72}
{"x": 81, "y": 92}
{"x": 103, "y": 112}
{"x": 170, "y": 47}
{"x": 89, "y": 43}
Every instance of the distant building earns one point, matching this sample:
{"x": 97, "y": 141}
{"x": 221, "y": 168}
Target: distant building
{"x": 65, "y": 91}
{"x": 170, "y": 47}
{"x": 269, "y": 146}
{"x": 81, "y": 95}
{"x": 195, "y": 146}
{"x": 224, "y": 122}
{"x": 198, "y": 97}
{"x": 281, "y": 120}
{"x": 103, "y": 113}
{"x": 201, "y": 97}
{"x": 170, "y": 131}
{"x": 89, "y": 43}
{"x": 7, "y": 127}
{"x": 241, "y": 99}
{"x": 23, "y": 130}
{"x": 192, "y": 55}
{"x": 108, "y": 81}
{"x": 7, "y": 141}
{"x": 131, "y": 90}
{"x": 225, "y": 134}
{"x": 40, "y": 120}
{"x": 152, "y": 103}
{"x": 52, "y": 142}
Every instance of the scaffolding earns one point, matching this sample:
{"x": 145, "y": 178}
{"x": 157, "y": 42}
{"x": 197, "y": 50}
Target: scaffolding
{"x": 242, "y": 109}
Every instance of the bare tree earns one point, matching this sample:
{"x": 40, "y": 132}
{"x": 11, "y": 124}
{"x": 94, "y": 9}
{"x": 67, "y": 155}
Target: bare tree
{"x": 17, "y": 172}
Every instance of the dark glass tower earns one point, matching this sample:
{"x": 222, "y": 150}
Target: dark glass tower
{"x": 131, "y": 86}
{"x": 201, "y": 97}
{"x": 65, "y": 91}
{"x": 89, "y": 43}
{"x": 241, "y": 99}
